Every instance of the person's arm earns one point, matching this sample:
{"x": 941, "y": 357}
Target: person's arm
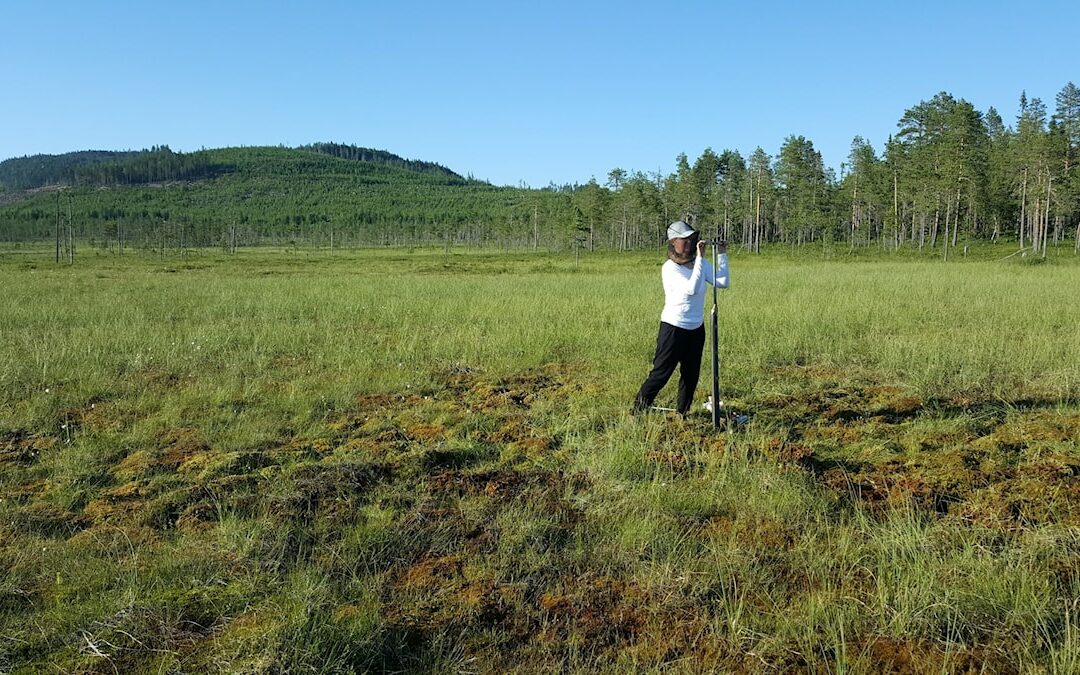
{"x": 674, "y": 283}
{"x": 718, "y": 277}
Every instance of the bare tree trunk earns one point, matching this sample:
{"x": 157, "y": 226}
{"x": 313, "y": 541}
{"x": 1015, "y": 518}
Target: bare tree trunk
{"x": 948, "y": 217}
{"x": 1023, "y": 208}
{"x": 57, "y": 228}
{"x": 536, "y": 231}
{"x": 1035, "y": 216}
{"x": 757, "y": 226}
{"x": 71, "y": 236}
{"x": 956, "y": 218}
{"x": 896, "y": 212}
{"x": 854, "y": 212}
{"x": 901, "y": 231}
{"x": 1046, "y": 217}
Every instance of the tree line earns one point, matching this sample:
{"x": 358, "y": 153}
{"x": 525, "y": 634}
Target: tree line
{"x": 358, "y": 154}
{"x": 160, "y": 163}
{"x": 34, "y": 171}
{"x": 950, "y": 175}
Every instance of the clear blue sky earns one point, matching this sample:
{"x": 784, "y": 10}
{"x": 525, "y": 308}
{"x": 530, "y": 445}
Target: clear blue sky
{"x": 512, "y": 92}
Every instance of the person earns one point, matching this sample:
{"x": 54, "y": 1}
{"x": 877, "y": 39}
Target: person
{"x": 681, "y": 339}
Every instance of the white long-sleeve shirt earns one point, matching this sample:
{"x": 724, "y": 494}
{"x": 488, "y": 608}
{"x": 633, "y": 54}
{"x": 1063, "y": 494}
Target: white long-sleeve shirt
{"x": 684, "y": 290}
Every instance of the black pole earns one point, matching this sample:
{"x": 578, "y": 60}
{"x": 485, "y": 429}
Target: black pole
{"x": 715, "y": 347}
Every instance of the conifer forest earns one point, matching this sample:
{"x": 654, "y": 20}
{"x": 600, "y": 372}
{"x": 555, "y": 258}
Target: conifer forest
{"x": 949, "y": 176}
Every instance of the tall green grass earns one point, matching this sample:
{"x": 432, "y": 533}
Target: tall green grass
{"x": 644, "y": 543}
{"x": 318, "y": 328}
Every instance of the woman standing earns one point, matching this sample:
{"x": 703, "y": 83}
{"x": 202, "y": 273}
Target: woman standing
{"x": 682, "y": 322}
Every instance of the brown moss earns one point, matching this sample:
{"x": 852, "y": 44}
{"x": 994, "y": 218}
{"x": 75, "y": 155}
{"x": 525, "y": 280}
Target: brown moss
{"x": 328, "y": 491}
{"x": 424, "y": 432}
{"x": 102, "y": 416}
{"x": 685, "y": 636}
{"x": 138, "y": 463}
{"x": 980, "y": 483}
{"x": 511, "y": 429}
{"x": 892, "y": 401}
{"x": 601, "y": 612}
{"x": 23, "y": 492}
{"x": 554, "y": 602}
{"x": 298, "y": 448}
{"x": 1040, "y": 428}
{"x": 21, "y": 448}
{"x": 197, "y": 517}
{"x": 120, "y": 503}
{"x": 373, "y": 403}
{"x": 534, "y": 447}
{"x": 175, "y": 447}
{"x": 181, "y": 443}
{"x": 48, "y": 519}
{"x": 110, "y": 538}
{"x": 970, "y": 458}
{"x": 520, "y": 391}
{"x": 909, "y": 656}
{"x": 670, "y": 459}
{"x": 783, "y": 450}
{"x": 503, "y": 484}
{"x": 148, "y": 502}
{"x": 431, "y": 572}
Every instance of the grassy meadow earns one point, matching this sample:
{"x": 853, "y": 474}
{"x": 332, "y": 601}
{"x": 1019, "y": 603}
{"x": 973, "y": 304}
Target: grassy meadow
{"x": 291, "y": 461}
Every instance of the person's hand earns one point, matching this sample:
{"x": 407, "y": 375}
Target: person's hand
{"x": 701, "y": 248}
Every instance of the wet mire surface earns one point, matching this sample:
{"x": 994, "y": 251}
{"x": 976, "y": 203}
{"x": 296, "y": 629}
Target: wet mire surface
{"x": 480, "y": 530}
{"x": 995, "y": 463}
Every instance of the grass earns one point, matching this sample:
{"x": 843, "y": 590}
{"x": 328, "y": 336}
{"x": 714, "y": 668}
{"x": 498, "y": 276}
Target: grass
{"x": 414, "y": 461}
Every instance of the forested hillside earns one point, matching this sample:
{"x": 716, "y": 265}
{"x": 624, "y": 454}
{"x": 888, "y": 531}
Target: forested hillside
{"x": 951, "y": 175}
{"x": 160, "y": 163}
{"x": 248, "y": 196}
{"x": 25, "y": 173}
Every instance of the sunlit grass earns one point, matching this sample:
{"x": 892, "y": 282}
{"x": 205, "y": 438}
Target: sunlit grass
{"x": 412, "y": 460}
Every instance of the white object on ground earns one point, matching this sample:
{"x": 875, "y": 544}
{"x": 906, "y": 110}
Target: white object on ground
{"x": 708, "y": 404}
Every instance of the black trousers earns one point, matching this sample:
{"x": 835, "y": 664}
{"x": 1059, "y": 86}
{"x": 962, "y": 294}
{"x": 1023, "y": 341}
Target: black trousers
{"x": 674, "y": 346}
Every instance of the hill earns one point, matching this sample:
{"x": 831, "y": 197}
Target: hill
{"x": 254, "y": 195}
{"x": 34, "y": 171}
{"x": 102, "y": 167}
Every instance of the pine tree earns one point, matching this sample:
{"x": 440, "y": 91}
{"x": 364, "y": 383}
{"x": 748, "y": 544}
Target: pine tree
{"x": 1067, "y": 145}
{"x": 803, "y": 192}
{"x": 761, "y": 199}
